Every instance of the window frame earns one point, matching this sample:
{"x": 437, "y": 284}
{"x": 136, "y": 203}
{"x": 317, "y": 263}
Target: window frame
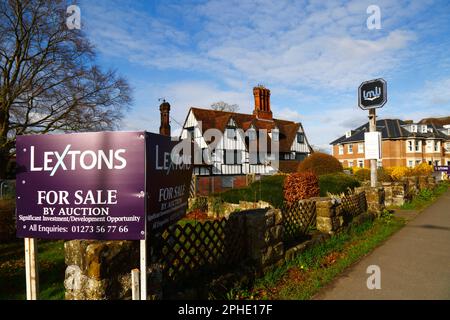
{"x": 437, "y": 144}
{"x": 360, "y": 147}
{"x": 417, "y": 145}
{"x": 348, "y": 148}
{"x": 360, "y": 161}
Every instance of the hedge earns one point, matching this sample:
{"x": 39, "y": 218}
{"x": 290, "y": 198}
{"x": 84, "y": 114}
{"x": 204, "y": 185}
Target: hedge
{"x": 336, "y": 183}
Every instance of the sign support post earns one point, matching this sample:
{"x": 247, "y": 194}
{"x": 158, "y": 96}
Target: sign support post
{"x": 143, "y": 267}
{"x": 373, "y": 162}
{"x": 31, "y": 272}
{"x": 143, "y": 243}
{"x": 372, "y": 94}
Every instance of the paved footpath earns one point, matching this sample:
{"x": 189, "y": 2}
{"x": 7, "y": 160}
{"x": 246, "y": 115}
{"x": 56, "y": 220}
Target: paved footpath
{"x": 414, "y": 262}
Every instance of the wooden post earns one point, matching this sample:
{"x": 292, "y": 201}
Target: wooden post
{"x": 31, "y": 269}
{"x": 373, "y": 162}
{"x": 135, "y": 284}
{"x": 143, "y": 268}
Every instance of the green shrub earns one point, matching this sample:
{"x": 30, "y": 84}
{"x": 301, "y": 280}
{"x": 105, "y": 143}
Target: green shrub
{"x": 199, "y": 203}
{"x": 215, "y": 204}
{"x": 269, "y": 189}
{"x": 383, "y": 175}
{"x": 300, "y": 185}
{"x": 336, "y": 183}
{"x": 362, "y": 174}
{"x": 320, "y": 164}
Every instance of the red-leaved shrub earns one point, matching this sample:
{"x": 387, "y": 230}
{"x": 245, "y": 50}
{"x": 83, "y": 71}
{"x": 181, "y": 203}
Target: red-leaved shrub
{"x": 300, "y": 185}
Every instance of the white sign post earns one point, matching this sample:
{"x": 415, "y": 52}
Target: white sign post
{"x": 372, "y": 94}
{"x": 135, "y": 295}
{"x": 31, "y": 272}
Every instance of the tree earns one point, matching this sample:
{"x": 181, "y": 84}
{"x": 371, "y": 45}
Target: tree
{"x": 223, "y": 106}
{"x": 49, "y": 81}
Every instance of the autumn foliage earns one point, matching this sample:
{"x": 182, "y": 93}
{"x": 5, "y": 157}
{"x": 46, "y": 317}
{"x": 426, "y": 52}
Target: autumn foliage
{"x": 300, "y": 185}
{"x": 320, "y": 164}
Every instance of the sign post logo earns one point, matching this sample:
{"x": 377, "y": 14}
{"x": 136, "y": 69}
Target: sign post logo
{"x": 372, "y": 94}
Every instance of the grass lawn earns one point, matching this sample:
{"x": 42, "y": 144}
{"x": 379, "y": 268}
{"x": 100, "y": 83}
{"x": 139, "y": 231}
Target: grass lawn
{"x": 303, "y": 277}
{"x": 426, "y": 197}
{"x": 51, "y": 270}
{"x": 268, "y": 189}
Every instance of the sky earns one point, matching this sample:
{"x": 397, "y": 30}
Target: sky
{"x": 312, "y": 55}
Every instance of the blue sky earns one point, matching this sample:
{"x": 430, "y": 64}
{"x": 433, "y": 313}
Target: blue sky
{"x": 312, "y": 55}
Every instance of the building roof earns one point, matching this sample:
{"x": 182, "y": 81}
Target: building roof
{"x": 436, "y": 121}
{"x": 392, "y": 129}
{"x": 219, "y": 120}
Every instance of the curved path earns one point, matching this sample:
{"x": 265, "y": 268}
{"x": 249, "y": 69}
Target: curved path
{"x": 414, "y": 262}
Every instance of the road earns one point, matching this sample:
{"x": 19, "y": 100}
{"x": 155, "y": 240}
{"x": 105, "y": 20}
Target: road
{"x": 414, "y": 262}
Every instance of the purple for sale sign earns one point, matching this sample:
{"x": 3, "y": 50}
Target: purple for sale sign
{"x": 81, "y": 186}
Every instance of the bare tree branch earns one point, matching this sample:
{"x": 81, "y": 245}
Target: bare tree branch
{"x": 48, "y": 78}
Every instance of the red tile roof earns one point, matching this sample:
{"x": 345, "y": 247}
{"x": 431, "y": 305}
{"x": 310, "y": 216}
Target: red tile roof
{"x": 219, "y": 120}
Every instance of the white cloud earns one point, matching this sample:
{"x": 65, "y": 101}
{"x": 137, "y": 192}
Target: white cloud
{"x": 309, "y": 53}
{"x": 181, "y": 96}
{"x": 435, "y": 93}
{"x": 285, "y": 42}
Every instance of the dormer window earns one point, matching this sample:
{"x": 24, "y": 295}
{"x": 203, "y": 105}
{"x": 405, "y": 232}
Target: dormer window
{"x": 424, "y": 129}
{"x": 413, "y": 128}
{"x": 348, "y": 134}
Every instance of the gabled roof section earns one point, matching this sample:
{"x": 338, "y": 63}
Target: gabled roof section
{"x": 391, "y": 129}
{"x": 438, "y": 122}
{"x": 220, "y": 119}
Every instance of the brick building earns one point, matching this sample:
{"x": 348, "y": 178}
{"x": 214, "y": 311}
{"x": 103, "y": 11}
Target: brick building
{"x": 231, "y": 163}
{"x": 404, "y": 143}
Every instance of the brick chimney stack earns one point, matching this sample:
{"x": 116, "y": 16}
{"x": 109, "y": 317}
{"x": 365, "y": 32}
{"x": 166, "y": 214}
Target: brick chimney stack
{"x": 164, "y": 108}
{"x": 262, "y": 103}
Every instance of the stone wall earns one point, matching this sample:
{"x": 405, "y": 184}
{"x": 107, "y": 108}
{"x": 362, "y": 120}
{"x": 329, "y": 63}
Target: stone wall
{"x": 217, "y": 208}
{"x": 329, "y": 215}
{"x": 395, "y": 193}
{"x": 264, "y": 237}
{"x": 375, "y": 199}
{"x": 99, "y": 270}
